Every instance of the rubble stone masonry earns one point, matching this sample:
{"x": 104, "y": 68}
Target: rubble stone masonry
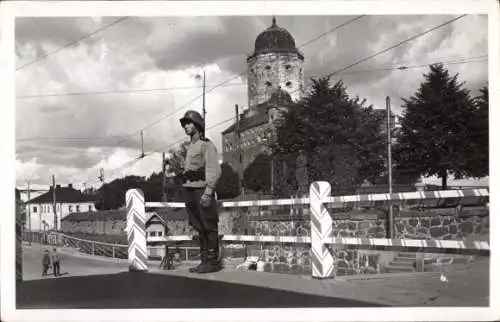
{"x": 267, "y": 72}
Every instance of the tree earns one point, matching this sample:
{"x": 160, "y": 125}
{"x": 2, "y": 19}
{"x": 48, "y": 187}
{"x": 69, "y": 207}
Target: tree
{"x": 112, "y": 195}
{"x": 436, "y": 133}
{"x": 257, "y": 175}
{"x": 478, "y": 161}
{"x": 340, "y": 136}
{"x": 228, "y": 186}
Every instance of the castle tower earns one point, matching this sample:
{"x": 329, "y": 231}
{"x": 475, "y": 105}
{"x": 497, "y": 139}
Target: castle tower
{"x": 275, "y": 63}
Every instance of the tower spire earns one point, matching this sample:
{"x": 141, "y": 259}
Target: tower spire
{"x": 274, "y": 21}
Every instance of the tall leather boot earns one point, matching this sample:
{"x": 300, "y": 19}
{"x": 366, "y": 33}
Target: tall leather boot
{"x": 212, "y": 264}
{"x": 203, "y": 253}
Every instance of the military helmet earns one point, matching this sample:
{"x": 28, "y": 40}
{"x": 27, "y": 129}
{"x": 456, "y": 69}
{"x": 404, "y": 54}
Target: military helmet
{"x": 195, "y": 117}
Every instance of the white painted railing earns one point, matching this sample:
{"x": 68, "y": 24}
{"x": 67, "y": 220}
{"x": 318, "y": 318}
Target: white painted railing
{"x": 321, "y": 224}
{"x": 90, "y": 247}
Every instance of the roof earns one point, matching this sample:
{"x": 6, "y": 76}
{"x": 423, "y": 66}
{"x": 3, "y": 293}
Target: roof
{"x": 161, "y": 218}
{"x": 101, "y": 215}
{"x": 172, "y": 214}
{"x": 275, "y": 39}
{"x": 256, "y": 119}
{"x": 64, "y": 194}
{"x": 279, "y": 98}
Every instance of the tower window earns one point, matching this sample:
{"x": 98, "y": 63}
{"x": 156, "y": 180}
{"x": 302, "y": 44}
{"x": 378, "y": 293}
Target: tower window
{"x": 288, "y": 83}
{"x": 268, "y": 83}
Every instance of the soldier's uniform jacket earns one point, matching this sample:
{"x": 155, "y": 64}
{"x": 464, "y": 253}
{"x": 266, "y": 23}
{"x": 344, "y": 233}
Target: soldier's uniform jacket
{"x": 201, "y": 167}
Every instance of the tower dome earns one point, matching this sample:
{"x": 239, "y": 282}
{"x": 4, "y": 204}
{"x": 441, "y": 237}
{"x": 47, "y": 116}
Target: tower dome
{"x": 275, "y": 39}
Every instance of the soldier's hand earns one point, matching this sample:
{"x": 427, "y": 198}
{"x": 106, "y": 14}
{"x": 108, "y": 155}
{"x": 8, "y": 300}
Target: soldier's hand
{"x": 205, "y": 201}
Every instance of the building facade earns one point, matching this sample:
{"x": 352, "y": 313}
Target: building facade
{"x": 275, "y": 80}
{"x": 40, "y": 210}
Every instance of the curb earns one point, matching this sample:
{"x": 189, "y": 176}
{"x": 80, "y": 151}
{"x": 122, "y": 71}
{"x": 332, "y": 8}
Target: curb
{"x": 384, "y": 276}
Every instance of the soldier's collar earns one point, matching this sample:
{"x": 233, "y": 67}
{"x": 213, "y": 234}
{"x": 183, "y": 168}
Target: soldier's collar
{"x": 195, "y": 137}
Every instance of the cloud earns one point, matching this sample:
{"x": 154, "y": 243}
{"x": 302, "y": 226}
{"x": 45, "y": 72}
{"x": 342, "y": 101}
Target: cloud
{"x": 151, "y": 56}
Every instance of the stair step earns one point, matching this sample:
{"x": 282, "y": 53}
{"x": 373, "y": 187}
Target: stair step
{"x": 402, "y": 264}
{"x": 397, "y": 269}
{"x": 406, "y": 254}
{"x": 404, "y": 260}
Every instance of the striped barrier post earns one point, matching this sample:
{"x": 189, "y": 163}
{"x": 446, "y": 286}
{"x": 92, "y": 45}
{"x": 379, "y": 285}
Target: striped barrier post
{"x": 19, "y": 246}
{"x": 136, "y": 231}
{"x": 321, "y": 228}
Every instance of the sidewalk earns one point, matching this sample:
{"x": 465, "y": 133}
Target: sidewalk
{"x": 468, "y": 285}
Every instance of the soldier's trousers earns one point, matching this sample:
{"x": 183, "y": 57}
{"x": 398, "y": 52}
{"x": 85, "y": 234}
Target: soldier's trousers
{"x": 202, "y": 219}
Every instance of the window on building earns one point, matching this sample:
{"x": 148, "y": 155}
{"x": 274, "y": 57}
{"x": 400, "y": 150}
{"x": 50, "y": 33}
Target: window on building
{"x": 268, "y": 84}
{"x": 160, "y": 233}
{"x": 70, "y": 208}
{"x": 77, "y": 208}
{"x": 35, "y": 209}
{"x": 152, "y": 233}
{"x": 288, "y": 67}
{"x": 268, "y": 67}
{"x": 58, "y": 207}
{"x": 288, "y": 84}
{"x": 90, "y": 208}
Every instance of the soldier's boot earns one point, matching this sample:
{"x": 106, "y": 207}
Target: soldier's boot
{"x": 213, "y": 263}
{"x": 203, "y": 253}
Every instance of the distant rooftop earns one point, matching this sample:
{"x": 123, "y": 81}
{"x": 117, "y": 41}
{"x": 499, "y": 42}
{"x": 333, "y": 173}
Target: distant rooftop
{"x": 63, "y": 194}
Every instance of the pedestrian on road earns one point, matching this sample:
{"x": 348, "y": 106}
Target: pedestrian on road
{"x": 56, "y": 259}
{"x": 200, "y": 175}
{"x": 45, "y": 262}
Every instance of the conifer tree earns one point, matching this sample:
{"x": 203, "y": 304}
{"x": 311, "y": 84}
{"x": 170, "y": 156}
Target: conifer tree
{"x": 437, "y": 132}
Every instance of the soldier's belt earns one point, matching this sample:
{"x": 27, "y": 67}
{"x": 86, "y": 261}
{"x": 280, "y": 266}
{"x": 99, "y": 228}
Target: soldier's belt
{"x": 193, "y": 175}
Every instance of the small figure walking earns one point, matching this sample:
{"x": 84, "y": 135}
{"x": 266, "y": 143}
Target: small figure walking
{"x": 56, "y": 262}
{"x": 45, "y": 263}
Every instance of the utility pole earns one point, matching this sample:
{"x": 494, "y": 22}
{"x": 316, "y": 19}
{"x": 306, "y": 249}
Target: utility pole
{"x": 239, "y": 154}
{"x": 101, "y": 175}
{"x": 164, "y": 177}
{"x": 390, "y": 218}
{"x": 54, "y": 201}
{"x": 142, "y": 145}
{"x": 204, "y": 110}
{"x": 29, "y": 215}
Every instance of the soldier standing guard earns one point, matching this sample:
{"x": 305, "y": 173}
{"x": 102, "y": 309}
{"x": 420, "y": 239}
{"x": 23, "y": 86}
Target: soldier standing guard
{"x": 200, "y": 176}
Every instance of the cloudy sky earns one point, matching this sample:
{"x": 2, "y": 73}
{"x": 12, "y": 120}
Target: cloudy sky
{"x": 81, "y": 108}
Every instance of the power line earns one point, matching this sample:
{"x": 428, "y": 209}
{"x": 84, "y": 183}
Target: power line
{"x": 331, "y": 30}
{"x": 209, "y": 90}
{"x": 73, "y": 42}
{"x": 133, "y": 161}
{"x": 398, "y": 44}
{"x": 345, "y": 68}
{"x": 119, "y": 91}
{"x": 403, "y": 67}
{"x": 400, "y": 67}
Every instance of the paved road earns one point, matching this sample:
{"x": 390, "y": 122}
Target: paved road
{"x": 91, "y": 283}
{"x": 71, "y": 265}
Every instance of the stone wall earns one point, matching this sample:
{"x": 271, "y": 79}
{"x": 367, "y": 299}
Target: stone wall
{"x": 288, "y": 258}
{"x": 107, "y": 227}
{"x": 429, "y": 224}
{"x": 227, "y": 225}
